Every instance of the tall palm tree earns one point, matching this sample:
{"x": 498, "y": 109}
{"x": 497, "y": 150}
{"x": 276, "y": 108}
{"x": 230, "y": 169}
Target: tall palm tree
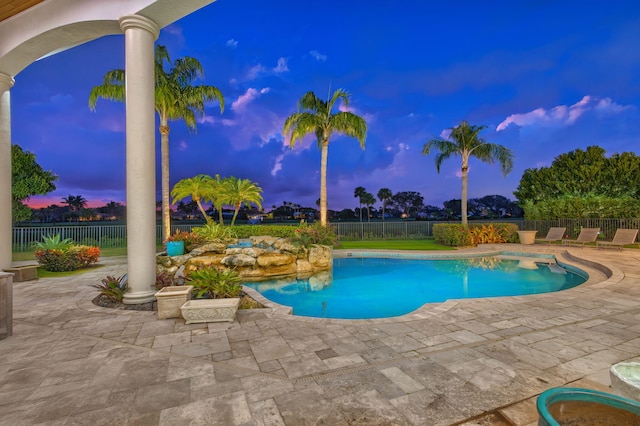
{"x": 368, "y": 200}
{"x": 75, "y": 202}
{"x": 176, "y": 98}
{"x": 316, "y": 117}
{"x": 359, "y": 193}
{"x": 237, "y": 192}
{"x": 384, "y": 195}
{"x": 199, "y": 188}
{"x": 218, "y": 197}
{"x": 466, "y": 143}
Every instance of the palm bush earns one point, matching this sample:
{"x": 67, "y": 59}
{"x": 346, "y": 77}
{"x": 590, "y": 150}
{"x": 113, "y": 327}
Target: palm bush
{"x": 214, "y": 232}
{"x": 113, "y": 288}
{"x": 216, "y": 283}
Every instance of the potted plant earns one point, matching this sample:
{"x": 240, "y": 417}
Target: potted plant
{"x": 217, "y": 292}
{"x": 175, "y": 244}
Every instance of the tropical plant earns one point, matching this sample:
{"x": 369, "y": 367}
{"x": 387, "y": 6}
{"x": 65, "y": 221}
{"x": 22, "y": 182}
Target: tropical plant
{"x": 308, "y": 235}
{"x": 200, "y": 188}
{"x": 163, "y": 279}
{"x": 384, "y": 194}
{"x": 190, "y": 239}
{"x": 466, "y": 143}
{"x": 54, "y": 242}
{"x": 216, "y": 283}
{"x": 368, "y": 200}
{"x": 113, "y": 288}
{"x": 237, "y": 192}
{"x": 214, "y": 232}
{"x": 486, "y": 234}
{"x": 70, "y": 258}
{"x": 316, "y": 117}
{"x": 359, "y": 193}
{"x": 176, "y": 98}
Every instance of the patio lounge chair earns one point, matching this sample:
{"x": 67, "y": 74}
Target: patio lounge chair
{"x": 587, "y": 235}
{"x": 620, "y": 239}
{"x": 554, "y": 234}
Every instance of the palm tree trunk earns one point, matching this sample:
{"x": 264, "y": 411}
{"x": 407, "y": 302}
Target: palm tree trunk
{"x": 463, "y": 200}
{"x": 235, "y": 214}
{"x": 204, "y": 213}
{"x": 164, "y": 167}
{"x": 323, "y": 182}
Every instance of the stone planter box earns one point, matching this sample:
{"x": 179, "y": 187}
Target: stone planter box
{"x": 171, "y": 298}
{"x": 23, "y": 273}
{"x": 527, "y": 237}
{"x": 625, "y": 379}
{"x": 210, "y": 310}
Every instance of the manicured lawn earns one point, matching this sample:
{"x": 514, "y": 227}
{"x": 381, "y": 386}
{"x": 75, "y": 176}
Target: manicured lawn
{"x": 394, "y": 245}
{"x": 43, "y": 273}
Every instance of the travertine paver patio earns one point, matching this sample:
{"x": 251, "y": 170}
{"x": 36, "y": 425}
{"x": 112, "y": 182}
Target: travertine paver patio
{"x": 460, "y": 362}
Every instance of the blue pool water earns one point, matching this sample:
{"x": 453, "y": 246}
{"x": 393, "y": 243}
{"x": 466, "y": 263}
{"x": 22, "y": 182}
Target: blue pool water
{"x": 362, "y": 288}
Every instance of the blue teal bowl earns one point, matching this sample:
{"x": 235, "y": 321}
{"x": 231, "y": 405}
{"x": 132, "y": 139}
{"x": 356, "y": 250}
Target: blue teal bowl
{"x": 175, "y": 248}
{"x": 585, "y": 407}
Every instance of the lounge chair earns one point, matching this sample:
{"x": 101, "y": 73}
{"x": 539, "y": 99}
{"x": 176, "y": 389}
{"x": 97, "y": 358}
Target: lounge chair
{"x": 620, "y": 239}
{"x": 554, "y": 234}
{"x": 587, "y": 235}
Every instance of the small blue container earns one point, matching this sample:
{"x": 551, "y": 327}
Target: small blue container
{"x": 175, "y": 248}
{"x": 575, "y": 406}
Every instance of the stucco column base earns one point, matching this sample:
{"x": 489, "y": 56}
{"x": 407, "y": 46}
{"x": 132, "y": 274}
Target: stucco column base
{"x": 6, "y": 305}
{"x": 6, "y": 82}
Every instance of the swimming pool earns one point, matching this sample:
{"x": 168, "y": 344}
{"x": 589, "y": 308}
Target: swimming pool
{"x": 361, "y": 288}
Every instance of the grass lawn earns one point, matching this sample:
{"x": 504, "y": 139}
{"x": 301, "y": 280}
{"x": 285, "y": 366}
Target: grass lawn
{"x": 43, "y": 273}
{"x": 394, "y": 245}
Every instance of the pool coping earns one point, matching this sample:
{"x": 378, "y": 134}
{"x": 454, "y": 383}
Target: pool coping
{"x": 564, "y": 258}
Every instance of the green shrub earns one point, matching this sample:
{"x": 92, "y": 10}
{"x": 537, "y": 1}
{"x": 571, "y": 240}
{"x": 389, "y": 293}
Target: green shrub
{"x": 113, "y": 288}
{"x": 452, "y": 234}
{"x": 582, "y": 207}
{"x": 217, "y": 283}
{"x": 308, "y": 235}
{"x": 278, "y": 231}
{"x": 69, "y": 259}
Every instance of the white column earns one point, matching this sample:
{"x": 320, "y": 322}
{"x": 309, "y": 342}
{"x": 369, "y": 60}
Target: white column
{"x": 6, "y": 83}
{"x": 140, "y": 34}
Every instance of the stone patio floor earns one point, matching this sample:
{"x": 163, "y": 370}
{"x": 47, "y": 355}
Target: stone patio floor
{"x": 464, "y": 362}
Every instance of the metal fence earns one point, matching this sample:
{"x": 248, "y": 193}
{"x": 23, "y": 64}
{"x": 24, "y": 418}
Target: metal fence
{"x": 105, "y": 236}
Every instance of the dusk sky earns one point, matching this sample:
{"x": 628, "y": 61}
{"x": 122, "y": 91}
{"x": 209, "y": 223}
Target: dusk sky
{"x": 544, "y": 77}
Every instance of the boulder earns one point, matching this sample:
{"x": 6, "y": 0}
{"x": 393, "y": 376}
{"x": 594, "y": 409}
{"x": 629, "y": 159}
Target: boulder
{"x": 321, "y": 257}
{"x": 204, "y": 261}
{"x": 238, "y": 260}
{"x": 208, "y": 248}
{"x": 268, "y": 260}
{"x": 304, "y": 268}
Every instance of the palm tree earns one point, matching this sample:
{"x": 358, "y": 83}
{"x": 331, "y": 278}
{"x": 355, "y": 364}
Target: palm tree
{"x": 384, "y": 195}
{"x": 359, "y": 193}
{"x": 218, "y": 197}
{"x": 199, "y": 188}
{"x": 176, "y": 98}
{"x": 241, "y": 191}
{"x": 75, "y": 202}
{"x": 316, "y": 117}
{"x": 466, "y": 143}
{"x": 368, "y": 200}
